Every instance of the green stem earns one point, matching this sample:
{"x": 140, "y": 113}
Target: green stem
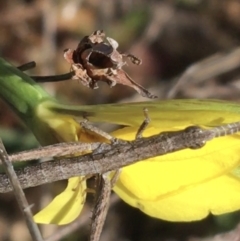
{"x": 19, "y": 90}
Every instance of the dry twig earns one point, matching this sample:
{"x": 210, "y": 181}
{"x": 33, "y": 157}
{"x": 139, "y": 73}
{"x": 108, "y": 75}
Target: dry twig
{"x": 19, "y": 194}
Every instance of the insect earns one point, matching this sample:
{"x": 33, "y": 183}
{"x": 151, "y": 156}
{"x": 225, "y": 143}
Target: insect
{"x": 97, "y": 59}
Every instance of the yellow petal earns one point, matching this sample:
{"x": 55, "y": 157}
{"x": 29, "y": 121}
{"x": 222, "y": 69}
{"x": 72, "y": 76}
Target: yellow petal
{"x": 218, "y": 196}
{"x": 185, "y": 185}
{"x": 65, "y": 207}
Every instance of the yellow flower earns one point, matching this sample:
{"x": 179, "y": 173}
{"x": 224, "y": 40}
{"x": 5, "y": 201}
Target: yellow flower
{"x": 182, "y": 186}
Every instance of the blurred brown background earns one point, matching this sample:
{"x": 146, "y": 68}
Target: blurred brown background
{"x": 169, "y": 36}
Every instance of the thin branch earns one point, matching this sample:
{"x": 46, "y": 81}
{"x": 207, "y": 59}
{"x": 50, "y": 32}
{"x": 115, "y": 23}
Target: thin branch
{"x": 101, "y": 206}
{"x": 53, "y": 78}
{"x": 109, "y": 157}
{"x": 27, "y": 66}
{"x": 49, "y": 78}
{"x": 19, "y": 194}
{"x": 205, "y": 69}
{"x": 56, "y": 150}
